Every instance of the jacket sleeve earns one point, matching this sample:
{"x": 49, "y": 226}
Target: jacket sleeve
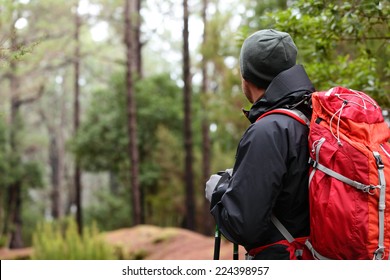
{"x": 242, "y": 204}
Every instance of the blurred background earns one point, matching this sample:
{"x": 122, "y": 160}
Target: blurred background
{"x": 114, "y": 113}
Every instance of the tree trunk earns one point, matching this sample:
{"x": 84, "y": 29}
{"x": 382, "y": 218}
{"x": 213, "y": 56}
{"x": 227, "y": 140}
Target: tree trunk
{"x": 137, "y": 39}
{"x": 189, "y": 177}
{"x": 15, "y": 197}
{"x": 76, "y": 118}
{"x": 55, "y": 166}
{"x": 55, "y": 162}
{"x": 131, "y": 114}
{"x": 206, "y": 158}
{"x": 14, "y": 219}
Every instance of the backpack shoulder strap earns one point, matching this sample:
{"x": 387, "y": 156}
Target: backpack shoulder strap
{"x": 286, "y": 234}
{"x": 293, "y": 113}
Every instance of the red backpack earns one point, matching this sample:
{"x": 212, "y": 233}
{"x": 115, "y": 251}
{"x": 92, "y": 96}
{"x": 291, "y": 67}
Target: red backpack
{"x": 350, "y": 167}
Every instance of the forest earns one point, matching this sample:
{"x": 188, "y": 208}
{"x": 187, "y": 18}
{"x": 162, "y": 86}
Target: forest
{"x": 114, "y": 113}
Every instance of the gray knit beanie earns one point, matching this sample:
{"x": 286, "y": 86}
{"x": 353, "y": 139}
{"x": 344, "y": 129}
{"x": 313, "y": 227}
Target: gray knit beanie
{"x": 265, "y": 54}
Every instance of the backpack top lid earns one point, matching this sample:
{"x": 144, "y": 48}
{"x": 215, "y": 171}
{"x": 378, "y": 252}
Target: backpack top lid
{"x": 353, "y": 113}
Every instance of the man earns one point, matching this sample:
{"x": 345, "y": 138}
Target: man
{"x": 270, "y": 174}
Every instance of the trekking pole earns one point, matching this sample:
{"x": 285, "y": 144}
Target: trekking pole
{"x": 217, "y": 243}
{"x": 235, "y": 251}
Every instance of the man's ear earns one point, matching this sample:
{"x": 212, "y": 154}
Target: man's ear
{"x": 252, "y": 91}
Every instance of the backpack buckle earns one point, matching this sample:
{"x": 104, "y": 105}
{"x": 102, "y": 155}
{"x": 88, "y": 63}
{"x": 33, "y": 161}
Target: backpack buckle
{"x": 313, "y": 163}
{"x": 378, "y": 159}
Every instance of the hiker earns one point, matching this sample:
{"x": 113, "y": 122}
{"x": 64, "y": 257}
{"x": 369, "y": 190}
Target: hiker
{"x": 270, "y": 174}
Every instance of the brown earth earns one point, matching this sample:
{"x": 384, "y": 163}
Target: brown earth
{"x": 154, "y": 243}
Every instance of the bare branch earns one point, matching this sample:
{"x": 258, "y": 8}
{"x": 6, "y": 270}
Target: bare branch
{"x": 31, "y": 99}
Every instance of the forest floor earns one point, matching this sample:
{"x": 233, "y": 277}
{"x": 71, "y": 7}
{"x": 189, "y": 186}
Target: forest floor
{"x": 153, "y": 243}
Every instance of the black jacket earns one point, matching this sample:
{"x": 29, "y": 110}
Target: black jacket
{"x": 270, "y": 174}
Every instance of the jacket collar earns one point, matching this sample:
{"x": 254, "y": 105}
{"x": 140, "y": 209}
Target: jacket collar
{"x": 286, "y": 90}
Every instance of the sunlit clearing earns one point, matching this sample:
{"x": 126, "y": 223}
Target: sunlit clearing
{"x": 82, "y": 82}
{"x": 21, "y": 23}
{"x": 85, "y": 7}
{"x": 213, "y": 127}
{"x": 197, "y": 78}
{"x": 59, "y": 79}
{"x": 230, "y": 62}
{"x": 99, "y": 32}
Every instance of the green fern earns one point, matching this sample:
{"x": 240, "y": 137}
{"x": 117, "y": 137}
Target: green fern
{"x": 61, "y": 241}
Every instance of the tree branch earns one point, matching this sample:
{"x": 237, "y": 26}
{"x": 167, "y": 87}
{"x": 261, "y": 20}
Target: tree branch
{"x": 31, "y": 99}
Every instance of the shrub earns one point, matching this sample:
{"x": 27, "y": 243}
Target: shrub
{"x": 61, "y": 241}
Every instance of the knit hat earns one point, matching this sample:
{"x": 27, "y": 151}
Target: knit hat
{"x": 265, "y": 54}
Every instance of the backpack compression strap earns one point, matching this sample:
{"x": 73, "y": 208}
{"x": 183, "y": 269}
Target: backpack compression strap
{"x": 287, "y": 235}
{"x": 293, "y": 113}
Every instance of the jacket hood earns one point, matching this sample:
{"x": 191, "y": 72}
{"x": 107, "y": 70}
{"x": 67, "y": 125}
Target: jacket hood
{"x": 286, "y": 90}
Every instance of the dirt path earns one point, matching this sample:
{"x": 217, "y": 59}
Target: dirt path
{"x": 153, "y": 243}
{"x": 169, "y": 243}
